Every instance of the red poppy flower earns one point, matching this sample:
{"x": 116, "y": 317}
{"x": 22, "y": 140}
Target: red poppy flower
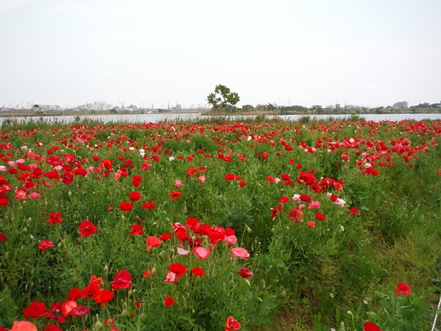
{"x": 175, "y": 195}
{"x": 178, "y": 268}
{"x": 245, "y": 273}
{"x": 68, "y": 307}
{"x": 152, "y": 241}
{"x": 67, "y": 178}
{"x": 104, "y": 296}
{"x": 305, "y": 198}
{"x": 74, "y": 294}
{"x": 3, "y": 238}
{"x": 4, "y": 202}
{"x": 136, "y": 181}
{"x": 91, "y": 291}
{"x": 231, "y": 324}
{"x": 311, "y": 224}
{"x": 125, "y": 206}
{"x": 197, "y": 272}
{"x": 55, "y": 312}
{"x": 283, "y": 199}
{"x": 165, "y": 236}
{"x": 403, "y": 288}
{"x": 148, "y": 204}
{"x": 147, "y": 273}
{"x": 369, "y": 326}
{"x": 242, "y": 184}
{"x": 320, "y": 217}
{"x": 87, "y": 228}
{"x": 122, "y": 280}
{"x": 168, "y": 301}
{"x": 354, "y": 211}
{"x": 52, "y": 327}
{"x": 134, "y": 196}
{"x": 80, "y": 311}
{"x": 229, "y": 177}
{"x": 45, "y": 244}
{"x": 54, "y": 218}
{"x": 136, "y": 230}
{"x": 35, "y": 309}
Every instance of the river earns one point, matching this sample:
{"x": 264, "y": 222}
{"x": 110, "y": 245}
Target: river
{"x": 154, "y": 118}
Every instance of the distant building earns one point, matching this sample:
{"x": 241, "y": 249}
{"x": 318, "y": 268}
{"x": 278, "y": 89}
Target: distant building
{"x": 402, "y": 104}
{"x": 178, "y": 107}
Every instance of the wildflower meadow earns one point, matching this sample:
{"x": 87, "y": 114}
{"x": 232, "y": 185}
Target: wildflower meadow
{"x": 252, "y": 224}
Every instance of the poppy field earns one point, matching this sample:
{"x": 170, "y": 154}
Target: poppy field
{"x": 252, "y": 224}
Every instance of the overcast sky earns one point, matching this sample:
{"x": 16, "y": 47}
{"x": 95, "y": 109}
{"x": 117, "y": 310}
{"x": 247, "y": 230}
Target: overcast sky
{"x": 293, "y": 52}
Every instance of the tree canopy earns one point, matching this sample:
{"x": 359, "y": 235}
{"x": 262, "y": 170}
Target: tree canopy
{"x": 222, "y": 99}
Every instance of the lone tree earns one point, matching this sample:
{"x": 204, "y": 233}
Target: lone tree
{"x": 223, "y": 99}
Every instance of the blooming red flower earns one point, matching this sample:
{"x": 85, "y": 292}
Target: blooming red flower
{"x": 104, "y": 296}
{"x": 369, "y": 326}
{"x": 52, "y": 327}
{"x": 91, "y": 291}
{"x": 152, "y": 241}
{"x": 67, "y": 178}
{"x": 80, "y": 311}
{"x": 147, "y": 273}
{"x": 148, "y": 204}
{"x": 122, "y": 280}
{"x": 242, "y": 184}
{"x": 55, "y": 312}
{"x": 68, "y": 307}
{"x": 168, "y": 301}
{"x": 311, "y": 224}
{"x": 35, "y": 309}
{"x": 175, "y": 195}
{"x": 165, "y": 236}
{"x": 4, "y": 202}
{"x": 54, "y": 218}
{"x": 403, "y": 288}
{"x": 229, "y": 177}
{"x": 45, "y": 244}
{"x": 136, "y": 230}
{"x": 178, "y": 268}
{"x": 136, "y": 181}
{"x": 197, "y": 272}
{"x": 354, "y": 211}
{"x": 245, "y": 273}
{"x": 134, "y": 196}
{"x": 3, "y": 238}
{"x": 87, "y": 228}
{"x": 320, "y": 217}
{"x": 74, "y": 294}
{"x": 231, "y": 324}
{"x": 125, "y": 206}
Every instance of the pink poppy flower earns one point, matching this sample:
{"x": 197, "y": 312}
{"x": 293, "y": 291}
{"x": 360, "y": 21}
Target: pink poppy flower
{"x": 240, "y": 252}
{"x": 201, "y": 252}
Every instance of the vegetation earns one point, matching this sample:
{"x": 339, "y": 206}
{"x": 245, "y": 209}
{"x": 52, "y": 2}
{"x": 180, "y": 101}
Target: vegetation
{"x": 223, "y": 100}
{"x": 253, "y": 224}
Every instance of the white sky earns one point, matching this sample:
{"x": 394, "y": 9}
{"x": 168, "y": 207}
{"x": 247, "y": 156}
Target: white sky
{"x": 143, "y": 52}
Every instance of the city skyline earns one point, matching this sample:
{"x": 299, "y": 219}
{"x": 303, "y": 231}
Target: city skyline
{"x": 147, "y": 53}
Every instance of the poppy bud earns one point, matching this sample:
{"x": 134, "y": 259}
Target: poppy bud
{"x": 98, "y": 325}
{"x": 106, "y": 269}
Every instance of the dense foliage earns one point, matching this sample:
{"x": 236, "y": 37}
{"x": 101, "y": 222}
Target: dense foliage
{"x": 219, "y": 225}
